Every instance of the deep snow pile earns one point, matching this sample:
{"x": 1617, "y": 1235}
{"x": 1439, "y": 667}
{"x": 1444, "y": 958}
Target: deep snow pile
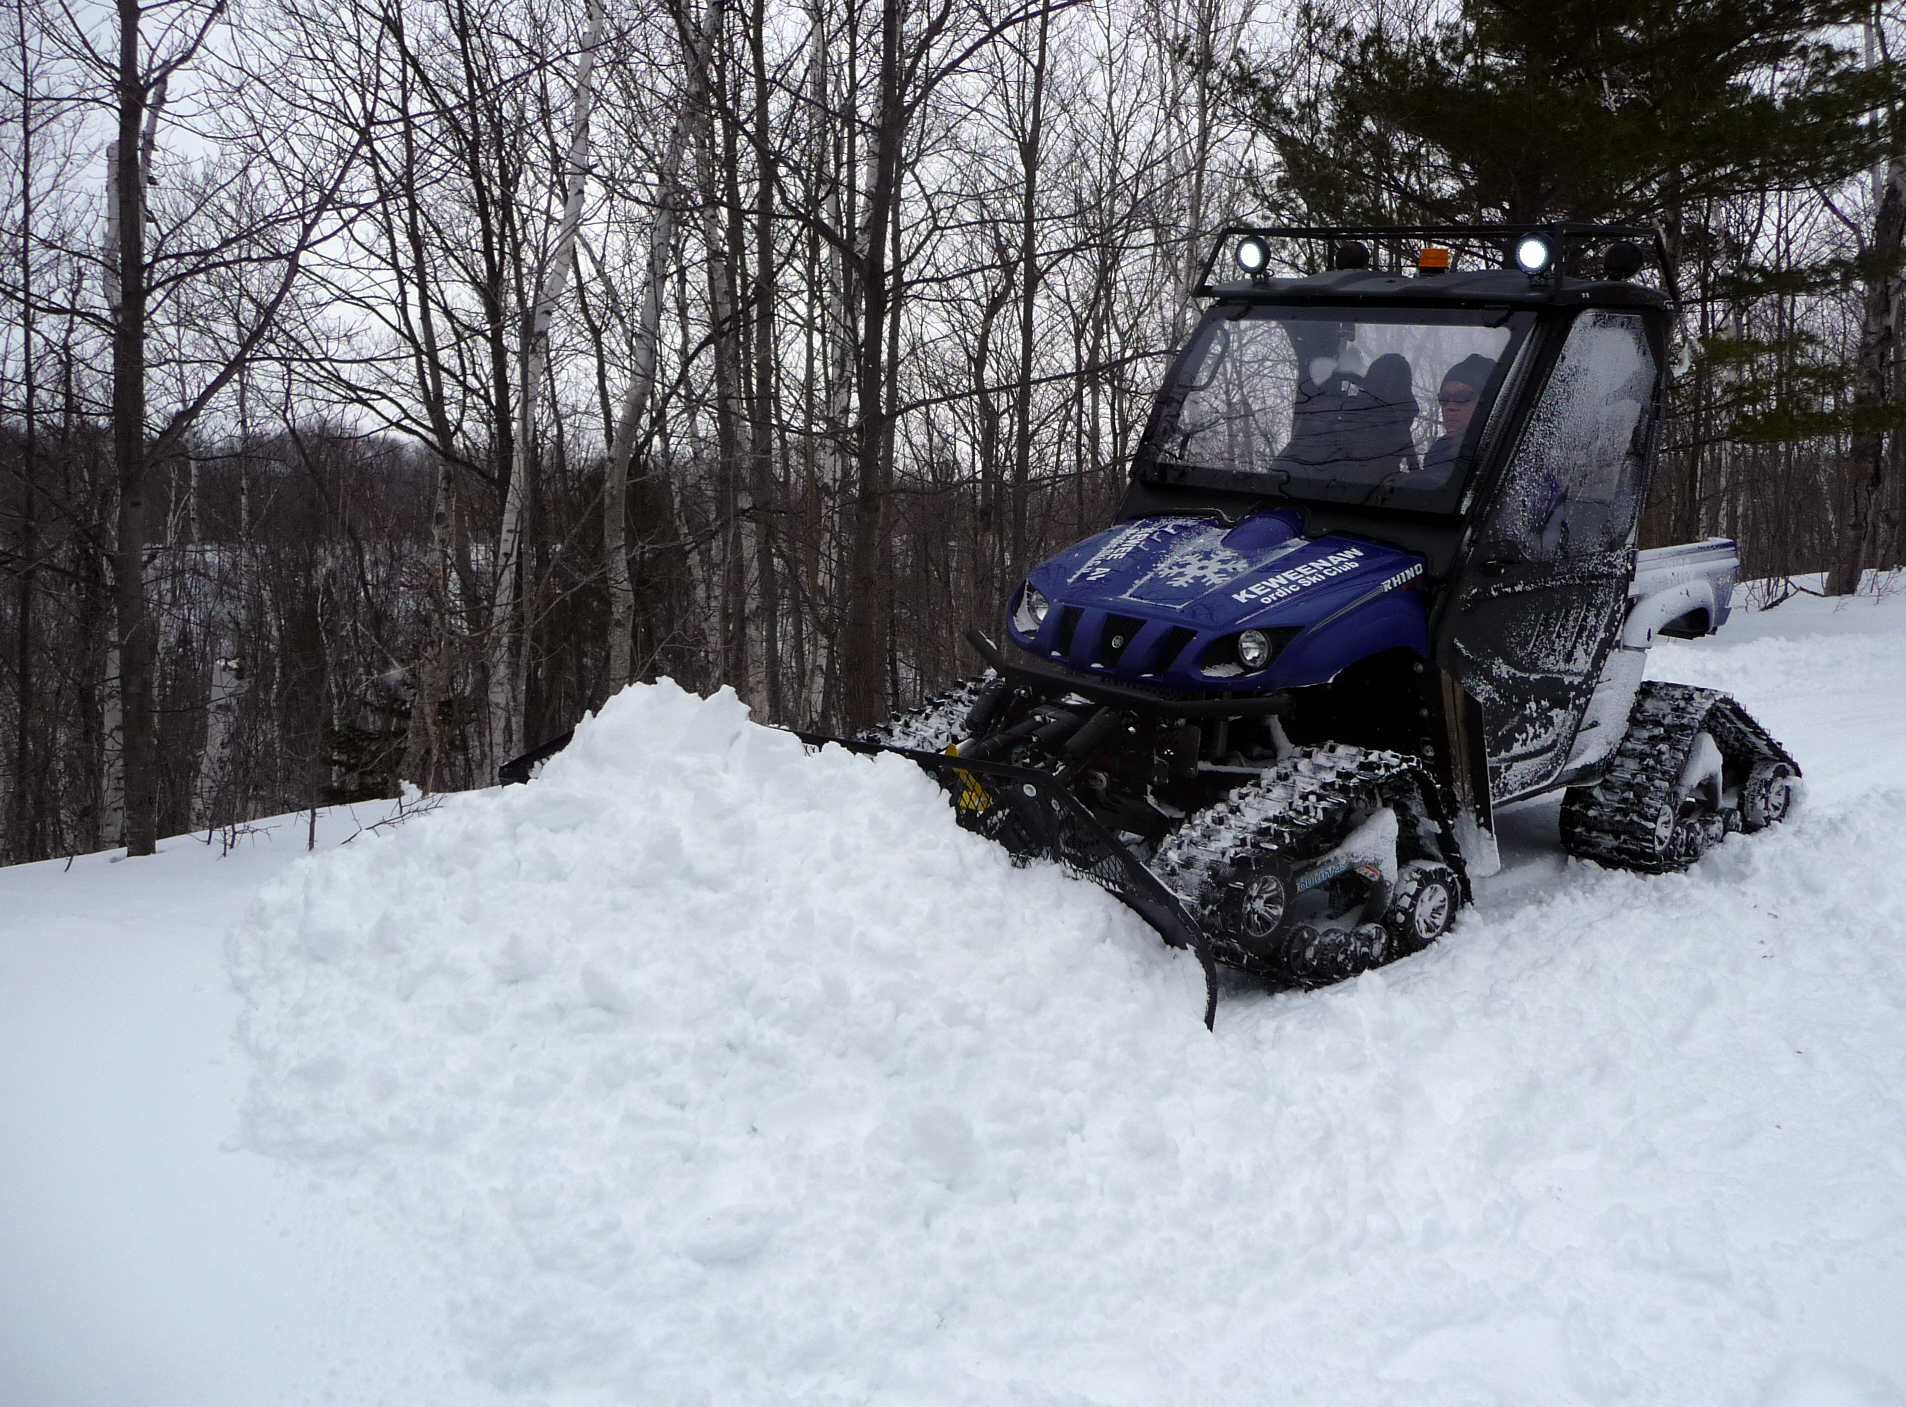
{"x": 713, "y": 1071}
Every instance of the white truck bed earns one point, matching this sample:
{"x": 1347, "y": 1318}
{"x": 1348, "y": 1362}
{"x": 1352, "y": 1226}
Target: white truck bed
{"x": 1684, "y": 591}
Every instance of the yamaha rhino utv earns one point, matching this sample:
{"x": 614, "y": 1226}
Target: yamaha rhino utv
{"x": 1375, "y": 577}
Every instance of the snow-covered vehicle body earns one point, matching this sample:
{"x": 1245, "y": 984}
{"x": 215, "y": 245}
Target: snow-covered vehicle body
{"x": 1375, "y": 575}
{"x": 1162, "y": 601}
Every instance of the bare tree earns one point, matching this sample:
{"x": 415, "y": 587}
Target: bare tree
{"x": 508, "y": 648}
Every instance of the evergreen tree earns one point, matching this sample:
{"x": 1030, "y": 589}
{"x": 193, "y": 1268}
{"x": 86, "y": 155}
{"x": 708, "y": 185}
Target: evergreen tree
{"x": 1527, "y": 110}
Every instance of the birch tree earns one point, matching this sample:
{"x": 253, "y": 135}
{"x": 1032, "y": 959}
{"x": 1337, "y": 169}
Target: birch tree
{"x": 508, "y": 643}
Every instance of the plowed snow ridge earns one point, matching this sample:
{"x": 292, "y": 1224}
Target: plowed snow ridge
{"x": 712, "y": 1071}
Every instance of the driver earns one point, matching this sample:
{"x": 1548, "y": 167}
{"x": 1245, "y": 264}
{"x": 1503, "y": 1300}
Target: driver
{"x": 1462, "y": 386}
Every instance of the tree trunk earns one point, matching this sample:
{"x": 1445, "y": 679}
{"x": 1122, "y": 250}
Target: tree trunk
{"x": 762, "y": 429}
{"x": 24, "y": 814}
{"x": 137, "y": 749}
{"x": 1029, "y": 158}
{"x": 1865, "y": 530}
{"x": 730, "y": 586}
{"x": 424, "y": 744}
{"x": 864, "y": 650}
{"x": 423, "y": 759}
{"x": 830, "y": 369}
{"x": 988, "y": 566}
{"x": 509, "y": 635}
{"x": 635, "y": 409}
{"x": 840, "y": 157}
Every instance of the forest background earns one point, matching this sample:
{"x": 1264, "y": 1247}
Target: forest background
{"x": 383, "y": 383}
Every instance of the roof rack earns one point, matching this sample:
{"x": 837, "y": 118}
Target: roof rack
{"x": 1500, "y": 239}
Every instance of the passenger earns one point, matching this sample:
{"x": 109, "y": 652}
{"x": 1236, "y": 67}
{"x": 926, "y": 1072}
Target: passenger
{"x": 1462, "y": 387}
{"x": 1387, "y": 382}
{"x": 1354, "y": 430}
{"x": 1380, "y": 441}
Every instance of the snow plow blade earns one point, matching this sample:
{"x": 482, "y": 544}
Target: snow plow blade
{"x": 1035, "y": 818}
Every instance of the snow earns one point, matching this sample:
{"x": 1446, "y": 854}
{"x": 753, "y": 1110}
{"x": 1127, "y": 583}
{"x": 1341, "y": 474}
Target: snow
{"x": 706, "y": 1070}
{"x": 145, "y": 1258}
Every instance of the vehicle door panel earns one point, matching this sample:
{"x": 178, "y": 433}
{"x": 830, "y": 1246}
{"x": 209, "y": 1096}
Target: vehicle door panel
{"x": 1540, "y": 599}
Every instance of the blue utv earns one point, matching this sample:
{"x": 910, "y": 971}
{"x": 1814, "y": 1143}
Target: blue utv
{"x": 1375, "y": 577}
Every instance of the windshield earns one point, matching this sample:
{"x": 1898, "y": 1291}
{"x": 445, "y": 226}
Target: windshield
{"x": 1384, "y": 410}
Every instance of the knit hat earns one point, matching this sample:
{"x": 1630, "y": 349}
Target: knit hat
{"x": 1472, "y": 370}
{"x": 1388, "y": 379}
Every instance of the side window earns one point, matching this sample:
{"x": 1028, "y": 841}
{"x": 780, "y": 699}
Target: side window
{"x": 1572, "y": 486}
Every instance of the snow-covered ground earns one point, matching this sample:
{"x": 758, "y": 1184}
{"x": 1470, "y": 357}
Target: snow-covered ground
{"x": 706, "y": 1071}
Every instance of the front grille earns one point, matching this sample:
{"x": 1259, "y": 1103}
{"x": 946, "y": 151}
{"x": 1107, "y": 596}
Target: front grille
{"x": 1068, "y": 623}
{"x": 1169, "y": 647}
{"x": 1117, "y": 637}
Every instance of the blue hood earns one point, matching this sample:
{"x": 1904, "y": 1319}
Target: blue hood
{"x": 1161, "y": 601}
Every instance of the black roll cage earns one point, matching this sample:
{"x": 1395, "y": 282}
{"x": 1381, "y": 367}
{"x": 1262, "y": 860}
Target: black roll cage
{"x": 1565, "y": 236}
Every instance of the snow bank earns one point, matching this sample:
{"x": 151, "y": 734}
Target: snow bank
{"x": 711, "y": 1071}
{"x": 715, "y": 1062}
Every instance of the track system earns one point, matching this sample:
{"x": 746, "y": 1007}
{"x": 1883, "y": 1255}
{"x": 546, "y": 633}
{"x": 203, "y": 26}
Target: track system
{"x": 930, "y": 726}
{"x": 1331, "y": 827}
{"x": 1692, "y": 767}
{"x": 1329, "y": 862}
{"x": 1334, "y": 859}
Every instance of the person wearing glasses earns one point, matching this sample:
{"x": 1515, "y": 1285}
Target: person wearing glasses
{"x": 1462, "y": 386}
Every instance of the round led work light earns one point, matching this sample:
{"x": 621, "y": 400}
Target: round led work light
{"x": 1254, "y": 649}
{"x": 1622, "y": 261}
{"x": 1533, "y": 254}
{"x": 1253, "y": 255}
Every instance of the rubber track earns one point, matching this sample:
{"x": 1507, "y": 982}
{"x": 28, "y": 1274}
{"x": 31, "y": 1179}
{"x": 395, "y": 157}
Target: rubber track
{"x": 930, "y": 726}
{"x": 1618, "y": 821}
{"x": 1299, "y": 807}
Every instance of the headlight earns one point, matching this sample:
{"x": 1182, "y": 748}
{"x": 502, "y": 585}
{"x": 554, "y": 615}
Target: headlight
{"x": 1533, "y": 254}
{"x": 1254, "y": 649}
{"x": 1253, "y": 255}
{"x": 1032, "y": 609}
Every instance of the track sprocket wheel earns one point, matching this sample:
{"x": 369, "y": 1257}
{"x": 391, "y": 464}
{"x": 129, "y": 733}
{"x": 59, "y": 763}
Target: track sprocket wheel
{"x": 1423, "y": 904}
{"x": 1768, "y": 796}
{"x": 1258, "y": 891}
{"x": 1314, "y": 955}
